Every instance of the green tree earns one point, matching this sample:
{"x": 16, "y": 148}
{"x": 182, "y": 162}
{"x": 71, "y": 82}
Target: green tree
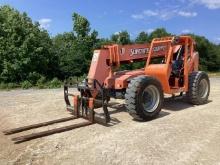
{"x": 75, "y": 49}
{"x": 101, "y": 42}
{"x": 122, "y": 37}
{"x": 142, "y": 38}
{"x": 209, "y": 53}
{"x": 84, "y": 44}
{"x": 25, "y": 49}
{"x": 157, "y": 33}
{"x": 62, "y": 45}
{"x": 81, "y": 25}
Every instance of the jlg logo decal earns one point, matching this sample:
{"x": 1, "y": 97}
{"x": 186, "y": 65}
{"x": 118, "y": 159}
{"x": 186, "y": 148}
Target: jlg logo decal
{"x": 159, "y": 48}
{"x": 144, "y": 51}
{"x": 139, "y": 51}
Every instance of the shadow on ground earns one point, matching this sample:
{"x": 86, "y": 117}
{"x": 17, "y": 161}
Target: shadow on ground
{"x": 170, "y": 104}
{"x": 178, "y": 104}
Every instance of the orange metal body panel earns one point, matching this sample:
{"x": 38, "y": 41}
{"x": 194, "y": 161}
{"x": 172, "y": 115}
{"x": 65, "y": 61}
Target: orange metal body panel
{"x": 99, "y": 69}
{"x": 162, "y": 73}
{"x": 119, "y": 80}
{"x": 76, "y": 105}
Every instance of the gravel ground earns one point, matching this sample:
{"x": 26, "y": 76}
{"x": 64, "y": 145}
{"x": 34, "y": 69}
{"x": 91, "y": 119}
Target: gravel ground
{"x": 182, "y": 134}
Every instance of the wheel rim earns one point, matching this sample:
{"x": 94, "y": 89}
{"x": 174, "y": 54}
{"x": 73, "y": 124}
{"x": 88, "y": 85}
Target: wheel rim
{"x": 151, "y": 98}
{"x": 203, "y": 88}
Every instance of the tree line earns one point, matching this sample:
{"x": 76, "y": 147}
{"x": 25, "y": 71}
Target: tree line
{"x": 28, "y": 53}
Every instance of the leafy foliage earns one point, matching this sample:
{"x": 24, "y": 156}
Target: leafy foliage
{"x": 209, "y": 53}
{"x": 55, "y": 83}
{"x": 75, "y": 48}
{"x": 41, "y": 83}
{"x": 157, "y": 33}
{"x": 24, "y": 47}
{"x": 122, "y": 37}
{"x": 26, "y": 84}
{"x": 142, "y": 38}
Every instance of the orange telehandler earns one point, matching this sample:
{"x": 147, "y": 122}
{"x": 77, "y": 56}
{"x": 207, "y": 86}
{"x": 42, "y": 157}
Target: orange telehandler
{"x": 171, "y": 67}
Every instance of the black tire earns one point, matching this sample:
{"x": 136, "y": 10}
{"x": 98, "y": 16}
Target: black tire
{"x": 199, "y": 88}
{"x": 139, "y": 89}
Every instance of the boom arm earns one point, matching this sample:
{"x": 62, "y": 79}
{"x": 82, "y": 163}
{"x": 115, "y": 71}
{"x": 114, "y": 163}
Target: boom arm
{"x": 109, "y": 58}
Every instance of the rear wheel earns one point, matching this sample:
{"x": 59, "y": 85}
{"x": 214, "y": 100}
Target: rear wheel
{"x": 199, "y": 88}
{"x": 144, "y": 98}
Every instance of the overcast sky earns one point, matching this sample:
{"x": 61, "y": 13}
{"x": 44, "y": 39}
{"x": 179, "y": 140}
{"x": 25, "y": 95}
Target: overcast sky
{"x": 107, "y": 17}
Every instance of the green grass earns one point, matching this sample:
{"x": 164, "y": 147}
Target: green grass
{"x": 41, "y": 83}
{"x": 8, "y": 86}
{"x": 214, "y": 74}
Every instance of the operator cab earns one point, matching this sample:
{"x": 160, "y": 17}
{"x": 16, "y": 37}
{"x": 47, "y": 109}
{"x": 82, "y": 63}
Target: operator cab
{"x": 177, "y": 64}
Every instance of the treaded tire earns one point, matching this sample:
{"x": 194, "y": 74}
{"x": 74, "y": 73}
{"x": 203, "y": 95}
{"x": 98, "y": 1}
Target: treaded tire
{"x": 134, "y": 97}
{"x": 194, "y": 94}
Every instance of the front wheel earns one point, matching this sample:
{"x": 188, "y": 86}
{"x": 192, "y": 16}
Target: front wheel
{"x": 199, "y": 88}
{"x": 144, "y": 98}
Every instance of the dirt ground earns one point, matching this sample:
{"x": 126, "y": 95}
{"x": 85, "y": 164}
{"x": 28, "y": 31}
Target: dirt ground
{"x": 182, "y": 134}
